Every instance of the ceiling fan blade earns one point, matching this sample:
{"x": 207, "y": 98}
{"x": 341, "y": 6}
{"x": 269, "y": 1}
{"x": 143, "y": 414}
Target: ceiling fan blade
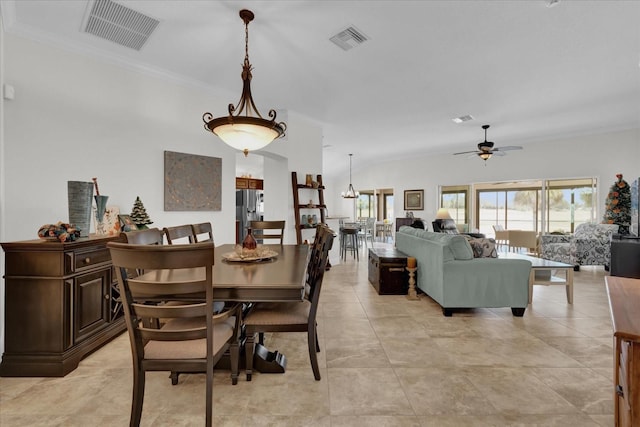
{"x": 508, "y": 148}
{"x": 498, "y": 153}
{"x": 465, "y": 152}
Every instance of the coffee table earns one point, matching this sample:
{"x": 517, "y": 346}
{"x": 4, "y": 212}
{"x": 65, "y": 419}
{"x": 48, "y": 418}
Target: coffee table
{"x": 542, "y": 274}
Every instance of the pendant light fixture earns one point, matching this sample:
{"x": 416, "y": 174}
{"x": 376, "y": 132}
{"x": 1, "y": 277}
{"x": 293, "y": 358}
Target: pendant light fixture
{"x": 245, "y": 131}
{"x": 350, "y": 193}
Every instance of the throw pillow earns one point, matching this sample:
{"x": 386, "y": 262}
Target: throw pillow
{"x": 483, "y": 248}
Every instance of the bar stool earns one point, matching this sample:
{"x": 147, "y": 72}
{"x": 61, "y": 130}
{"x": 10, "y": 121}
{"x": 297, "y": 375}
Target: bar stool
{"x": 349, "y": 242}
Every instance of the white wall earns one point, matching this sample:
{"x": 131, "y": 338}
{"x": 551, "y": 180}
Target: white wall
{"x": 601, "y": 156}
{"x": 74, "y": 118}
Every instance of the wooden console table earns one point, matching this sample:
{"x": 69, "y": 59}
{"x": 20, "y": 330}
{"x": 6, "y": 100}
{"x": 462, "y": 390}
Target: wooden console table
{"x": 624, "y": 303}
{"x": 61, "y": 303}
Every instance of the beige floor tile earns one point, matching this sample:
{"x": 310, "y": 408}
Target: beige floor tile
{"x": 442, "y": 391}
{"x": 509, "y": 421}
{"x": 356, "y": 353}
{"x": 580, "y": 387}
{"x": 366, "y": 391}
{"x": 375, "y": 420}
{"x": 516, "y": 391}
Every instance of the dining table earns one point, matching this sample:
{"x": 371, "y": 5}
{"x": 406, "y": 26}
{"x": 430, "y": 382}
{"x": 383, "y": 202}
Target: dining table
{"x": 280, "y": 277}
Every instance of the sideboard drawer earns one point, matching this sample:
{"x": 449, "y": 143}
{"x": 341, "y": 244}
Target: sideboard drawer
{"x": 81, "y": 260}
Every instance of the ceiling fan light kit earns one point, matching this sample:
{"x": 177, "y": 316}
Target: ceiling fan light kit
{"x": 245, "y": 131}
{"x": 486, "y": 150}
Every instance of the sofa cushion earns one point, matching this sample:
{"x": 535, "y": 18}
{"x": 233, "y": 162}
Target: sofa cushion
{"x": 460, "y": 247}
{"x": 483, "y": 248}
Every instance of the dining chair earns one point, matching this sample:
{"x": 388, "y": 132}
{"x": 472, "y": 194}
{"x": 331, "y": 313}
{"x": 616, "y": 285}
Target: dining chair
{"x": 202, "y": 232}
{"x": 191, "y": 339}
{"x": 263, "y": 230}
{"x": 293, "y": 316}
{"x": 367, "y": 231}
{"x": 149, "y": 236}
{"x": 179, "y": 234}
{"x": 502, "y": 235}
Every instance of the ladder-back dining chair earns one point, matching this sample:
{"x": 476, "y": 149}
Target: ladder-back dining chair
{"x": 293, "y": 316}
{"x": 191, "y": 339}
{"x": 367, "y": 230}
{"x": 202, "y": 232}
{"x": 149, "y": 236}
{"x": 272, "y": 230}
{"x": 179, "y": 234}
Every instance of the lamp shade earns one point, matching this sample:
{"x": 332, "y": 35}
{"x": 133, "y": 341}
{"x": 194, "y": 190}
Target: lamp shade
{"x": 244, "y": 136}
{"x": 443, "y": 214}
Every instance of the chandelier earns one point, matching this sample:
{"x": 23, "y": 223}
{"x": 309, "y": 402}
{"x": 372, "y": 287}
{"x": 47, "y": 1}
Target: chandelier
{"x": 245, "y": 131}
{"x": 350, "y": 193}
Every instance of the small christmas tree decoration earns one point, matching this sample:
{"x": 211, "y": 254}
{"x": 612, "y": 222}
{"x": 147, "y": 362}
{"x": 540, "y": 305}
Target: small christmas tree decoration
{"x": 139, "y": 215}
{"x": 618, "y": 205}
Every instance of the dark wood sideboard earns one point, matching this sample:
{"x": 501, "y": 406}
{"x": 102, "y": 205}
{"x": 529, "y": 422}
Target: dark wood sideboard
{"x": 61, "y": 303}
{"x": 624, "y": 300}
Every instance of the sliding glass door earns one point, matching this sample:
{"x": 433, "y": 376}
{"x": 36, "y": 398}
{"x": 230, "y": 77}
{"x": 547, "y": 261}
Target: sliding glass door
{"x": 569, "y": 203}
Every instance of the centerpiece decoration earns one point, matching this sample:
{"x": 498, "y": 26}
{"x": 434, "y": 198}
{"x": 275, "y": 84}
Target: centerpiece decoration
{"x": 60, "y": 231}
{"x": 250, "y": 251}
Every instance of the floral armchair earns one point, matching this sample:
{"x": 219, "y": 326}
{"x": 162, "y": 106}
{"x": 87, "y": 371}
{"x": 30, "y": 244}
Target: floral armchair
{"x": 589, "y": 245}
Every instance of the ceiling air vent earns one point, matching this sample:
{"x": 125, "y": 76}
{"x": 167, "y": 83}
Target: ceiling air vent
{"x": 119, "y": 24}
{"x": 348, "y": 38}
{"x": 462, "y": 119}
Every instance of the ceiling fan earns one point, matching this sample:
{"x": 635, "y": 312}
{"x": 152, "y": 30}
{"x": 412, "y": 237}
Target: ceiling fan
{"x": 486, "y": 150}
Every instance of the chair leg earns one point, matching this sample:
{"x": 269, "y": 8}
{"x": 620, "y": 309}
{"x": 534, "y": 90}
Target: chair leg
{"x": 234, "y": 354}
{"x": 248, "y": 352}
{"x": 313, "y": 358}
{"x": 317, "y": 343}
{"x": 209, "y": 394}
{"x": 174, "y": 377}
{"x": 138, "y": 397}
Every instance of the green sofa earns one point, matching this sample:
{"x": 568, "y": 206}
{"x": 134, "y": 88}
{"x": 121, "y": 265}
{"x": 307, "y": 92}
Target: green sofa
{"x": 450, "y": 275}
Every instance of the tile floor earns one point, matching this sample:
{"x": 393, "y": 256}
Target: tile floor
{"x": 385, "y": 361}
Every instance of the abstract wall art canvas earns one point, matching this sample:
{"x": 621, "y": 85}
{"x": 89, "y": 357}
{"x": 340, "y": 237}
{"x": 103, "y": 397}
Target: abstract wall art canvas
{"x": 192, "y": 182}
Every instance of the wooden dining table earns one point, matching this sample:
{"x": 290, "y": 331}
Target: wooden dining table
{"x": 281, "y": 278}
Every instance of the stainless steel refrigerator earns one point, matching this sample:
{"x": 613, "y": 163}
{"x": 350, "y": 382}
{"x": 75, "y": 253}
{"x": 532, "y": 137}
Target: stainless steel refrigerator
{"x": 249, "y": 207}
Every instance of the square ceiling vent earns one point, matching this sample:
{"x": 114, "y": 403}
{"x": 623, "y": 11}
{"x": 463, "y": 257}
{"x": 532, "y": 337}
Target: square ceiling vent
{"x": 119, "y": 24}
{"x": 349, "y": 38}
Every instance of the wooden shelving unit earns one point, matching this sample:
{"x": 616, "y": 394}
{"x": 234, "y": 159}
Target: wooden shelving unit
{"x": 299, "y": 208}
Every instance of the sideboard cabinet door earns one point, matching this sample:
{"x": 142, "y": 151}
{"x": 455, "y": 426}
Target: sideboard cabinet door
{"x": 91, "y": 303}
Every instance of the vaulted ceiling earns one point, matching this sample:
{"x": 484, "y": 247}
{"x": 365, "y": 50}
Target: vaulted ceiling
{"x": 532, "y": 71}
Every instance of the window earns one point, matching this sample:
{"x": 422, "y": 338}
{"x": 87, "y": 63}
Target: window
{"x": 519, "y": 205}
{"x": 388, "y": 206}
{"x": 454, "y": 199}
{"x": 365, "y": 205}
{"x": 569, "y": 203}
{"x": 514, "y": 209}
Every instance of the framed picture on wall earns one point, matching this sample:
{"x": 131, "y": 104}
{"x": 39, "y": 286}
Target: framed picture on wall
{"x": 413, "y": 200}
{"x": 126, "y": 223}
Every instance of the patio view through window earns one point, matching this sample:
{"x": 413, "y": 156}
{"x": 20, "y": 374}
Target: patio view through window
{"x": 520, "y": 205}
{"x": 370, "y": 201}
{"x": 454, "y": 199}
